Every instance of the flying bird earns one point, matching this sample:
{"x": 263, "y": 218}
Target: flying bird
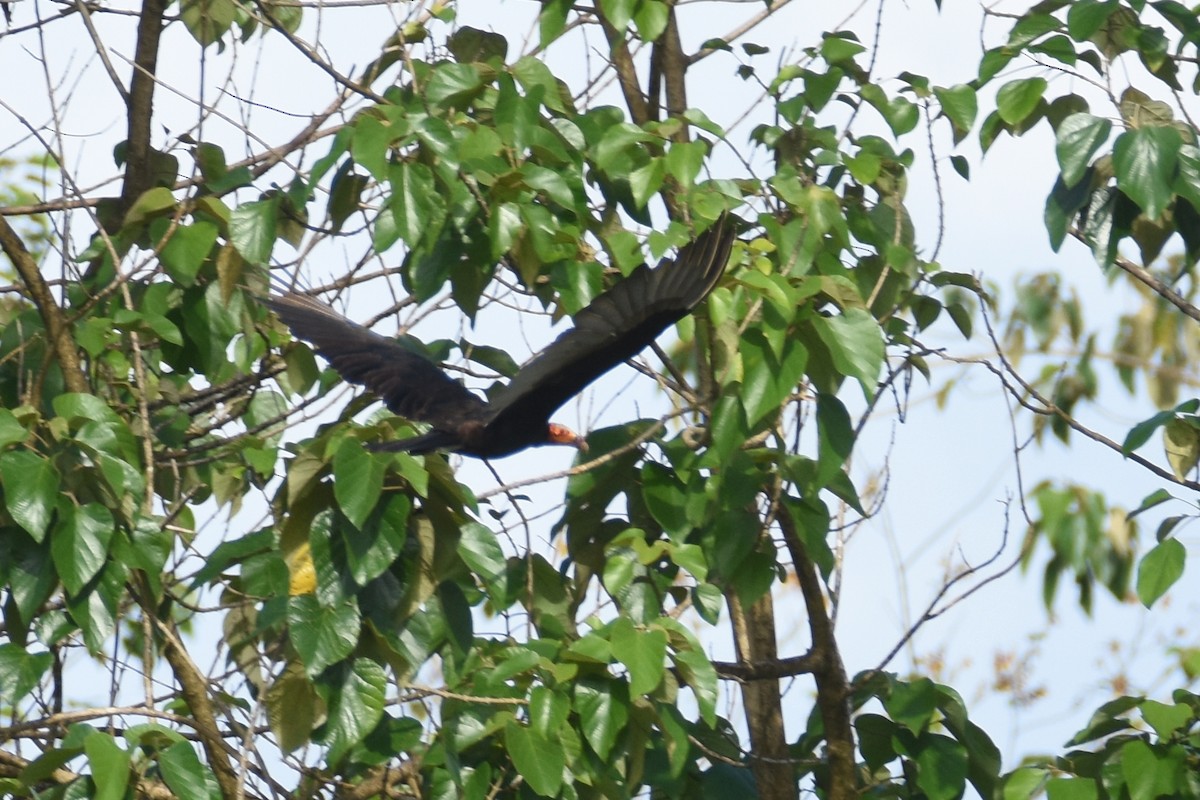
{"x": 614, "y": 327}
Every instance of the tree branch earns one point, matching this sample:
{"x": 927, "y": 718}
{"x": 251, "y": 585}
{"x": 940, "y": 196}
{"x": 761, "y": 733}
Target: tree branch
{"x": 622, "y": 61}
{"x": 833, "y": 689}
{"x": 746, "y": 671}
{"x": 61, "y": 343}
{"x": 194, "y": 689}
{"x": 139, "y": 165}
{"x": 1145, "y": 277}
{"x": 754, "y": 638}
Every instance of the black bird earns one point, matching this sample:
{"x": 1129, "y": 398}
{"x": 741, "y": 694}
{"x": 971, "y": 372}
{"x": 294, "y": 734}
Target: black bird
{"x": 614, "y": 327}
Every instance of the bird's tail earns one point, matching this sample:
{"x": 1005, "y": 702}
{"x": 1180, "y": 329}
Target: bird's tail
{"x": 417, "y": 445}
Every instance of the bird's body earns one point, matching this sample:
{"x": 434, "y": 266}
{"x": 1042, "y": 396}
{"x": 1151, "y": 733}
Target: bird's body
{"x": 614, "y": 327}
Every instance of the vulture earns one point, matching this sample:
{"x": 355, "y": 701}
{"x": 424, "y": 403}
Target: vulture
{"x": 614, "y": 327}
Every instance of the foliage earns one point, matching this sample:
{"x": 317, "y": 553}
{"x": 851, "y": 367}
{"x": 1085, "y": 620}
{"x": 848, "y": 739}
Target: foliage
{"x": 386, "y": 630}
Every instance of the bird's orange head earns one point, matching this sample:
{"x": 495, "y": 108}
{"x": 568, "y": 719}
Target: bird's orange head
{"x": 561, "y": 434}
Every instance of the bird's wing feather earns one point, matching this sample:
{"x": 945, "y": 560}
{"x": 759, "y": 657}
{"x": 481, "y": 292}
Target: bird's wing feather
{"x": 615, "y": 326}
{"x": 409, "y": 384}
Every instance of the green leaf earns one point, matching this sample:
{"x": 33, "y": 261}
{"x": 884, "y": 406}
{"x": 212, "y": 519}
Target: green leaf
{"x": 110, "y": 766}
{"x": 699, "y": 673}
{"x": 1140, "y": 766}
{"x": 96, "y": 610}
{"x": 11, "y": 429}
{"x": 1085, "y": 19}
{"x": 186, "y": 250}
{"x": 835, "y": 437}
{"x": 20, "y": 671}
{"x": 552, "y": 19}
{"x": 1155, "y": 498}
{"x": 1106, "y": 720}
{"x": 900, "y": 113}
{"x": 912, "y": 704}
{"x": 481, "y": 552}
{"x": 548, "y": 711}
{"x": 1030, "y": 28}
{"x": 322, "y": 634}
{"x": 375, "y": 546}
{"x": 1023, "y": 783}
{"x": 1071, "y": 789}
{"x": 1159, "y": 570}
{"x": 993, "y": 61}
{"x": 642, "y": 651}
{"x": 472, "y": 44}
{"x": 618, "y": 13}
{"x": 293, "y": 707}
{"x": 941, "y": 767}
{"x": 253, "y": 227}
{"x": 1187, "y": 182}
{"x": 416, "y": 205}
{"x": 708, "y": 601}
{"x": 453, "y": 84}
{"x": 1144, "y": 160}
{"x": 83, "y": 407}
{"x": 1063, "y": 206}
{"x": 1166, "y": 719}
{"x": 30, "y": 570}
{"x": 80, "y": 543}
{"x": 647, "y": 179}
{"x": 1017, "y": 99}
{"x": 357, "y": 480}
{"x": 768, "y": 379}
{"x": 664, "y": 497}
{"x": 207, "y": 20}
{"x": 355, "y": 707}
{"x": 152, "y": 202}
{"x": 836, "y": 48}
{"x": 30, "y": 490}
{"x": 1077, "y": 140}
{"x": 651, "y": 17}
{"x": 182, "y": 770}
{"x": 1181, "y": 440}
{"x": 345, "y": 195}
{"x": 855, "y": 344}
{"x": 553, "y": 185}
{"x": 539, "y": 760}
{"x": 1140, "y": 434}
{"x": 684, "y": 161}
{"x": 960, "y": 106}
{"x": 603, "y": 710}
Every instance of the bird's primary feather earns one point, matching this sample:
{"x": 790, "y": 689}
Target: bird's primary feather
{"x": 614, "y": 327}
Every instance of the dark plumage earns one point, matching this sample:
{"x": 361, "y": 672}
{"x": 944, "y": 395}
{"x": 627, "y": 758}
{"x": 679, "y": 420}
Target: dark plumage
{"x": 614, "y": 327}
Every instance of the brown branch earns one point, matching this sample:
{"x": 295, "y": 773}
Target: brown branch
{"x": 674, "y": 64}
{"x": 622, "y": 61}
{"x": 1048, "y": 408}
{"x": 61, "y": 342}
{"x": 754, "y": 639}
{"x": 1145, "y": 277}
{"x": 139, "y": 166}
{"x": 746, "y": 671}
{"x": 833, "y": 689}
{"x": 194, "y": 689}
{"x": 384, "y": 781}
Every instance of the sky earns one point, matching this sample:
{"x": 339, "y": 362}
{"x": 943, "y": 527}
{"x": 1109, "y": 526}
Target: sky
{"x": 951, "y": 469}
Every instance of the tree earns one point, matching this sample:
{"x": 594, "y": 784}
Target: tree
{"x": 386, "y": 627}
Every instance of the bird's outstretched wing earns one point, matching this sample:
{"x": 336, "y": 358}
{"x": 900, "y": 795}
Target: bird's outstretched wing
{"x": 409, "y": 384}
{"x": 615, "y": 326}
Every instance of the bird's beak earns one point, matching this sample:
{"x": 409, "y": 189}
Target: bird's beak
{"x": 561, "y": 434}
